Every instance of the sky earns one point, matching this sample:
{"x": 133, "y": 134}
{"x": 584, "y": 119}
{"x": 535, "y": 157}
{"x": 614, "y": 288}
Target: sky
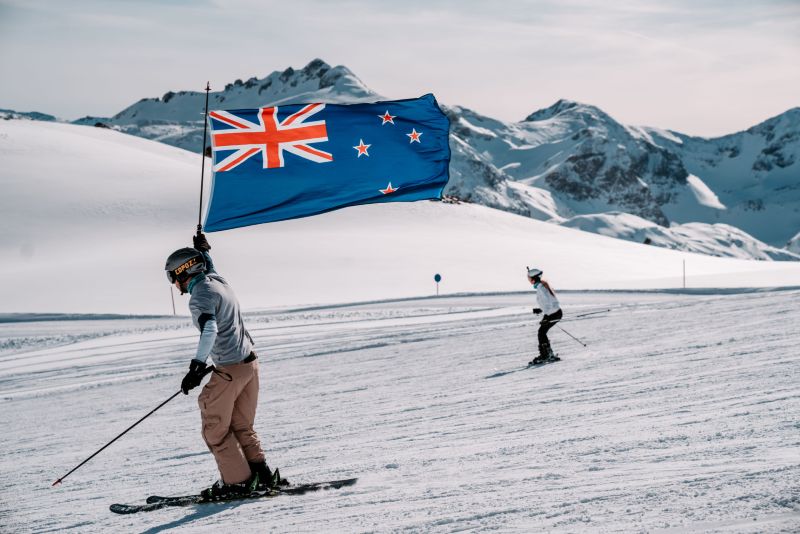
{"x": 700, "y": 67}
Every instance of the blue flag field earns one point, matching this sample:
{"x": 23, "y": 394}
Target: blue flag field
{"x": 285, "y": 162}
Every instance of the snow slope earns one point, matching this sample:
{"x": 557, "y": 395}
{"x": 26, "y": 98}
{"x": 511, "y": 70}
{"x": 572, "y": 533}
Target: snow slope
{"x": 88, "y": 228}
{"x": 681, "y": 415}
{"x": 694, "y": 237}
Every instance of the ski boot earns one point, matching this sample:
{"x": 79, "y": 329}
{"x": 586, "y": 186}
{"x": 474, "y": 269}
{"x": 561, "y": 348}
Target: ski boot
{"x": 552, "y": 356}
{"x": 226, "y": 492}
{"x": 267, "y": 479}
{"x": 546, "y": 355}
{"x": 543, "y": 356}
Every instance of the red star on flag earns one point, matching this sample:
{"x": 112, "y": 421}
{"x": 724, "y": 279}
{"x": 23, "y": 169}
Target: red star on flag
{"x": 389, "y": 189}
{"x": 387, "y": 118}
{"x": 414, "y": 135}
{"x": 362, "y": 148}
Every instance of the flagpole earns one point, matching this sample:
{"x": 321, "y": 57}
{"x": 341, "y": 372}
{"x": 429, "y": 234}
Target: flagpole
{"x": 203, "y": 167}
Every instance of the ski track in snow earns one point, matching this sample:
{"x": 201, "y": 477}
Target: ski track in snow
{"x": 681, "y": 415}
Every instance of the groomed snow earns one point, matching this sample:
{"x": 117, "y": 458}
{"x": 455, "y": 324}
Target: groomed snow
{"x": 681, "y": 415}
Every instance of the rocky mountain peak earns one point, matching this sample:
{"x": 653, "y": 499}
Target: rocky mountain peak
{"x": 316, "y": 67}
{"x": 175, "y": 115}
{"x": 567, "y": 108}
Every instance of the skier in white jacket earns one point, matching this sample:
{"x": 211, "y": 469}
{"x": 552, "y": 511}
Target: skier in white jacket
{"x": 549, "y": 305}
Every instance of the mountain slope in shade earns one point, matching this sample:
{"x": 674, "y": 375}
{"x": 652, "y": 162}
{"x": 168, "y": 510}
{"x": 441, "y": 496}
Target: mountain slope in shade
{"x": 88, "y": 230}
{"x": 755, "y": 174}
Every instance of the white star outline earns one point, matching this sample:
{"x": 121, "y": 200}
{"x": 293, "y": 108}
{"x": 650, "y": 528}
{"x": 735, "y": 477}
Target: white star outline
{"x": 362, "y": 148}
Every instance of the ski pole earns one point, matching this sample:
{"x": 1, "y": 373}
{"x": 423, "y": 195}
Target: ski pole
{"x": 573, "y": 337}
{"x": 208, "y": 370}
{"x": 116, "y": 438}
{"x": 592, "y": 313}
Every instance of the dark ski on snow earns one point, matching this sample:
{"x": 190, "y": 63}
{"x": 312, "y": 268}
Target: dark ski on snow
{"x": 156, "y": 502}
{"x": 518, "y": 369}
{"x": 551, "y": 360}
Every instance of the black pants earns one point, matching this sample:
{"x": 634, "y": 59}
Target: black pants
{"x": 548, "y": 322}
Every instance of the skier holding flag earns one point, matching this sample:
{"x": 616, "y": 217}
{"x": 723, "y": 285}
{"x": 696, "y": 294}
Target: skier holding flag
{"x": 551, "y": 308}
{"x": 229, "y": 399}
{"x": 275, "y": 163}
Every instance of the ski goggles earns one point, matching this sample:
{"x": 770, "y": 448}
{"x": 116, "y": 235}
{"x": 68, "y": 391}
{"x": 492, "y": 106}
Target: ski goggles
{"x": 180, "y": 273}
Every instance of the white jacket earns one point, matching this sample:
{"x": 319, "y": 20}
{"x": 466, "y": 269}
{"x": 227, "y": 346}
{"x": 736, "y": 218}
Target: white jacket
{"x": 546, "y": 298}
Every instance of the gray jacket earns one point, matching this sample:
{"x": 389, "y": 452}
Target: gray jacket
{"x": 213, "y": 300}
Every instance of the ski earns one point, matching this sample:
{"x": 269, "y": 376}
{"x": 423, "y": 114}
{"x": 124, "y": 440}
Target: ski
{"x": 156, "y": 502}
{"x": 136, "y": 508}
{"x": 518, "y": 369}
{"x": 545, "y": 362}
{"x": 297, "y": 489}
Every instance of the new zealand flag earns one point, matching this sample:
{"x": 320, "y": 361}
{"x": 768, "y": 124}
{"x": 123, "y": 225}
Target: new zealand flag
{"x": 285, "y": 162}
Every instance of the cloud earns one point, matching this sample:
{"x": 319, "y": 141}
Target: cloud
{"x": 645, "y": 61}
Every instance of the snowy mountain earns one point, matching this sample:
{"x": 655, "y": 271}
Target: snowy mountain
{"x": 581, "y": 156}
{"x": 8, "y": 114}
{"x": 88, "y": 228}
{"x": 570, "y": 164}
{"x": 755, "y": 175}
{"x": 176, "y": 118}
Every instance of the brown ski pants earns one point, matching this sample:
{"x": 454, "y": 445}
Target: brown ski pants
{"x": 228, "y": 410}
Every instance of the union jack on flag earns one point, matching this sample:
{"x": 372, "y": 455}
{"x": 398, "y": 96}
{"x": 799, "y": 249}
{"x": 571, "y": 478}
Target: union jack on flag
{"x": 267, "y": 160}
{"x": 269, "y": 138}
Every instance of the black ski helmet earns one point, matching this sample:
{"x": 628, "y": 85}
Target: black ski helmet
{"x": 184, "y": 263}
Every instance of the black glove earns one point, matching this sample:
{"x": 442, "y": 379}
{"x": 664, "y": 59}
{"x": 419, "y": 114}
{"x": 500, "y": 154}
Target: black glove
{"x": 200, "y": 242}
{"x": 197, "y": 370}
{"x": 537, "y": 311}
